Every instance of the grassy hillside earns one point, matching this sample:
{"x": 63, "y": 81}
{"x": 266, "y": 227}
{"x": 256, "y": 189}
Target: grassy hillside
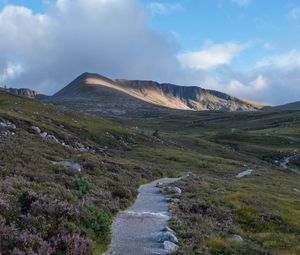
{"x": 47, "y": 209}
{"x": 215, "y": 206}
{"x": 285, "y": 107}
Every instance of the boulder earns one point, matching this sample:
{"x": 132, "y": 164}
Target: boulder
{"x": 36, "y": 129}
{"x": 170, "y": 247}
{"x": 52, "y": 138}
{"x": 175, "y": 190}
{"x": 168, "y": 229}
{"x": 172, "y": 200}
{"x": 245, "y": 173}
{"x": 7, "y": 124}
{"x": 237, "y": 238}
{"x": 166, "y": 236}
{"x": 80, "y": 147}
{"x": 7, "y": 133}
{"x": 69, "y": 165}
{"x": 44, "y": 134}
{"x": 159, "y": 184}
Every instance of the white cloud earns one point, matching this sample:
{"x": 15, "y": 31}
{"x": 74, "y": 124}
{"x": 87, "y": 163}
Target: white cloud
{"x": 111, "y": 37}
{"x": 258, "y": 85}
{"x": 10, "y": 71}
{"x": 275, "y": 80}
{"x": 164, "y": 8}
{"x": 294, "y": 13}
{"x": 211, "y": 56}
{"x": 241, "y": 2}
{"x": 289, "y": 60}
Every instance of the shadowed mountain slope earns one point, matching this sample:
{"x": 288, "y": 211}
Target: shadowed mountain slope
{"x": 285, "y": 107}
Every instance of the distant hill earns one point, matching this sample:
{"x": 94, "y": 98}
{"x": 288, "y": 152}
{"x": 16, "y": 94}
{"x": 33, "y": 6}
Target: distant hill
{"x": 285, "y": 107}
{"x": 101, "y": 93}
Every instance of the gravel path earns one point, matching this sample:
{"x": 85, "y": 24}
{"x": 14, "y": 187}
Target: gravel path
{"x": 133, "y": 230}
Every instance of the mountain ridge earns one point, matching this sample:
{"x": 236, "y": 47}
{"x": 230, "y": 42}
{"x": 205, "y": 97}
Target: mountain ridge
{"x": 158, "y": 94}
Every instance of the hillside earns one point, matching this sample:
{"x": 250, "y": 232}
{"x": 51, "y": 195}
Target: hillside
{"x": 96, "y": 93}
{"x": 49, "y": 207}
{"x": 285, "y": 107}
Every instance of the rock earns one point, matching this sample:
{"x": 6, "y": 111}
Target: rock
{"x": 170, "y": 247}
{"x": 7, "y": 133}
{"x": 52, "y": 138}
{"x": 168, "y": 229}
{"x": 36, "y": 129}
{"x": 244, "y": 173}
{"x": 237, "y": 238}
{"x": 175, "y": 190}
{"x": 80, "y": 147}
{"x": 7, "y": 124}
{"x": 44, "y": 134}
{"x": 159, "y": 184}
{"x": 172, "y": 200}
{"x": 69, "y": 165}
{"x": 166, "y": 236}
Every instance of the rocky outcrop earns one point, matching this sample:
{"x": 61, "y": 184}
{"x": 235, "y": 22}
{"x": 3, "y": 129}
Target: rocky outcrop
{"x": 6, "y": 128}
{"x": 24, "y": 92}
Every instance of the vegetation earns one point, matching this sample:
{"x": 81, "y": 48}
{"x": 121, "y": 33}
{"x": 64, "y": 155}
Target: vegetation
{"x": 47, "y": 209}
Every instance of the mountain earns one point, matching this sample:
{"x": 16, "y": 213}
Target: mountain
{"x": 24, "y": 92}
{"x": 103, "y": 94}
{"x": 285, "y": 107}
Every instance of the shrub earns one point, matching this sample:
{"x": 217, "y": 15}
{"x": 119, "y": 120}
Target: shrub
{"x": 121, "y": 192}
{"x": 156, "y": 134}
{"x": 72, "y": 244}
{"x": 97, "y": 220}
{"x": 82, "y": 186}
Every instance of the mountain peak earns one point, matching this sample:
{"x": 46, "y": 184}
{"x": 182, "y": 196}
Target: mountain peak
{"x": 123, "y": 94}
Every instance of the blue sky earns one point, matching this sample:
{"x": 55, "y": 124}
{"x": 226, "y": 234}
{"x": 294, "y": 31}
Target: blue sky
{"x": 258, "y": 22}
{"x": 248, "y": 48}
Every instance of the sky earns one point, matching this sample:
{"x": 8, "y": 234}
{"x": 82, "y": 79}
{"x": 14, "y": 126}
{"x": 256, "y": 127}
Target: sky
{"x": 246, "y": 48}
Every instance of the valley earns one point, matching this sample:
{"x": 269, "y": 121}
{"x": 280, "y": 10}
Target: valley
{"x": 120, "y": 153}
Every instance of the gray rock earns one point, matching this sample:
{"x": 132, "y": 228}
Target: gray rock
{"x": 237, "y": 238}
{"x": 170, "y": 247}
{"x": 175, "y": 190}
{"x": 80, "y": 147}
{"x": 159, "y": 184}
{"x": 172, "y": 200}
{"x": 44, "y": 134}
{"x": 168, "y": 229}
{"x": 69, "y": 165}
{"x": 52, "y": 138}
{"x": 245, "y": 173}
{"x": 7, "y": 124}
{"x": 36, "y": 129}
{"x": 166, "y": 236}
{"x": 7, "y": 133}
